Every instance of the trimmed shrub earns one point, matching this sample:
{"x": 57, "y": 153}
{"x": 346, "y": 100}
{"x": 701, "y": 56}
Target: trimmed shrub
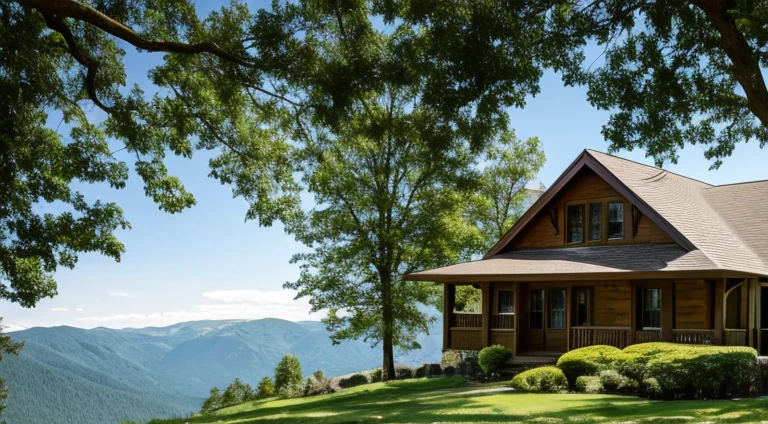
{"x": 762, "y": 365}
{"x": 651, "y": 389}
{"x": 611, "y": 381}
{"x": 588, "y": 384}
{"x": 353, "y": 380}
{"x": 434, "y": 370}
{"x": 402, "y": 372}
{"x": 492, "y": 358}
{"x": 692, "y": 371}
{"x": 540, "y": 380}
{"x": 588, "y": 361}
{"x": 421, "y": 371}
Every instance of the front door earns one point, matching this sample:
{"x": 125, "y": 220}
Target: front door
{"x": 547, "y": 309}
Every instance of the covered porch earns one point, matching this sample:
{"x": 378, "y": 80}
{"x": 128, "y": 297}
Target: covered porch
{"x": 552, "y": 317}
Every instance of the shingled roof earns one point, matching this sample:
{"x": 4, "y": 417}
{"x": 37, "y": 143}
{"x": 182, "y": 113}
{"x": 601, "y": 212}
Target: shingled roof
{"x": 719, "y": 229}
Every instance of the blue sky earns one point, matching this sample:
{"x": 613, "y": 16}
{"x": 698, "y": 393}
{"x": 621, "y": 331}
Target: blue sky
{"x": 209, "y": 263}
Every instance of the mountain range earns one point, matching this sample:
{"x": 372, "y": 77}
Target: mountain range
{"x": 71, "y": 375}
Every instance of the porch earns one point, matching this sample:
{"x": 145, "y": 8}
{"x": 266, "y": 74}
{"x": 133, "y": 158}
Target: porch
{"x": 551, "y": 318}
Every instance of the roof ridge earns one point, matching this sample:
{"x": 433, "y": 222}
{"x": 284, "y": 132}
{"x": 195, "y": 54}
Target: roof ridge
{"x": 740, "y": 183}
{"x": 649, "y": 166}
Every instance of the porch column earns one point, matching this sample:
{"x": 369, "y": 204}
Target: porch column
{"x": 719, "y": 311}
{"x": 753, "y": 291}
{"x": 449, "y": 298}
{"x": 632, "y": 311}
{"x": 667, "y": 310}
{"x": 487, "y": 288}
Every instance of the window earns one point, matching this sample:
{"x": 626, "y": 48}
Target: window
{"x": 615, "y": 220}
{"x": 537, "y": 309}
{"x": 575, "y": 223}
{"x": 595, "y": 221}
{"x": 582, "y": 314}
{"x": 506, "y": 302}
{"x": 651, "y": 308}
{"x": 557, "y": 309}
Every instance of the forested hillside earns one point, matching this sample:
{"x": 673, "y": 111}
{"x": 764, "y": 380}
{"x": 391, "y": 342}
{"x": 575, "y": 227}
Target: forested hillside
{"x": 71, "y": 375}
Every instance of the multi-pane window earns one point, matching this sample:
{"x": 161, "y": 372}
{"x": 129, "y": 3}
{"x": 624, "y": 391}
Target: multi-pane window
{"x": 651, "y": 308}
{"x": 595, "y": 221}
{"x": 615, "y": 220}
{"x": 537, "y": 309}
{"x": 575, "y": 223}
{"x": 582, "y": 311}
{"x": 557, "y": 309}
{"x": 506, "y": 302}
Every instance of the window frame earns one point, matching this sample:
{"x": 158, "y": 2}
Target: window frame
{"x": 643, "y": 293}
{"x": 568, "y": 207}
{"x": 587, "y": 218}
{"x": 497, "y": 308}
{"x": 608, "y": 219}
{"x": 551, "y": 310}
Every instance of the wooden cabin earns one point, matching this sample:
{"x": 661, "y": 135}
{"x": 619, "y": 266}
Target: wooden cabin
{"x": 617, "y": 252}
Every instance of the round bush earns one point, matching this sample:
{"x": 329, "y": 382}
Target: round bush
{"x": 403, "y": 372}
{"x": 540, "y": 380}
{"x": 651, "y": 389}
{"x": 353, "y": 380}
{"x": 588, "y": 361}
{"x": 421, "y": 371}
{"x": 588, "y": 384}
{"x": 492, "y": 358}
{"x": 611, "y": 381}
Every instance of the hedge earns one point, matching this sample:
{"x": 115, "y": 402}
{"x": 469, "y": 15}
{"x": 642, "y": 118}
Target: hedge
{"x": 353, "y": 380}
{"x": 690, "y": 371}
{"x": 588, "y": 361}
{"x": 541, "y": 380}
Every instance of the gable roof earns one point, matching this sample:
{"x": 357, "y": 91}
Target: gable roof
{"x": 716, "y": 228}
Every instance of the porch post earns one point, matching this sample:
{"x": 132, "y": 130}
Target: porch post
{"x": 719, "y": 311}
{"x": 486, "y": 308}
{"x": 667, "y": 310}
{"x": 449, "y": 298}
{"x": 632, "y": 311}
{"x": 517, "y": 316}
{"x": 753, "y": 292}
{"x": 568, "y": 313}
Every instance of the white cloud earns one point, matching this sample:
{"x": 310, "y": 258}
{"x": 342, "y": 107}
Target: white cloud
{"x": 79, "y": 309}
{"x": 222, "y": 304}
{"x": 60, "y": 309}
{"x": 119, "y": 294}
{"x": 12, "y": 327}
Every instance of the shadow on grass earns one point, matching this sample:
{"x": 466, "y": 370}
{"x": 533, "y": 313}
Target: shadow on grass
{"x": 442, "y": 400}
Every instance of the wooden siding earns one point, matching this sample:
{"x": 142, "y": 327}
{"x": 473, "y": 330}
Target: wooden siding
{"x": 612, "y": 304}
{"x": 693, "y": 304}
{"x": 584, "y": 187}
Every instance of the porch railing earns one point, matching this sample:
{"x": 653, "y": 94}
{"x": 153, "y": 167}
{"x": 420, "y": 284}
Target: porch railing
{"x": 590, "y": 335}
{"x": 704, "y": 337}
{"x": 467, "y": 320}
{"x": 646, "y": 336}
{"x": 466, "y": 338}
{"x": 503, "y": 322}
{"x": 735, "y": 337}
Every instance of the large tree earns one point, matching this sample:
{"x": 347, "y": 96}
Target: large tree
{"x": 222, "y": 87}
{"x": 671, "y": 73}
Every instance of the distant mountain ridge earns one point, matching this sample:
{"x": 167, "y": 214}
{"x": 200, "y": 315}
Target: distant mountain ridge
{"x": 72, "y": 375}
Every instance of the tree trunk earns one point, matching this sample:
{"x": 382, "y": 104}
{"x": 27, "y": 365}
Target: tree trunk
{"x": 388, "y": 363}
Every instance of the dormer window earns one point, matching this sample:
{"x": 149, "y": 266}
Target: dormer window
{"x": 575, "y": 223}
{"x": 595, "y": 221}
{"x": 615, "y": 220}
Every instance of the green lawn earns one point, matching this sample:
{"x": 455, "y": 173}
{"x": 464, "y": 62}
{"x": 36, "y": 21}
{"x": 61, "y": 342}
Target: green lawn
{"x": 450, "y": 400}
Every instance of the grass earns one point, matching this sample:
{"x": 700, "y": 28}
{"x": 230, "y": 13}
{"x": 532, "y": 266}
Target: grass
{"x": 452, "y": 400}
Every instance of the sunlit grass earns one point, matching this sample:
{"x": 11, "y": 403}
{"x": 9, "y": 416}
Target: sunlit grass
{"x": 452, "y": 400}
